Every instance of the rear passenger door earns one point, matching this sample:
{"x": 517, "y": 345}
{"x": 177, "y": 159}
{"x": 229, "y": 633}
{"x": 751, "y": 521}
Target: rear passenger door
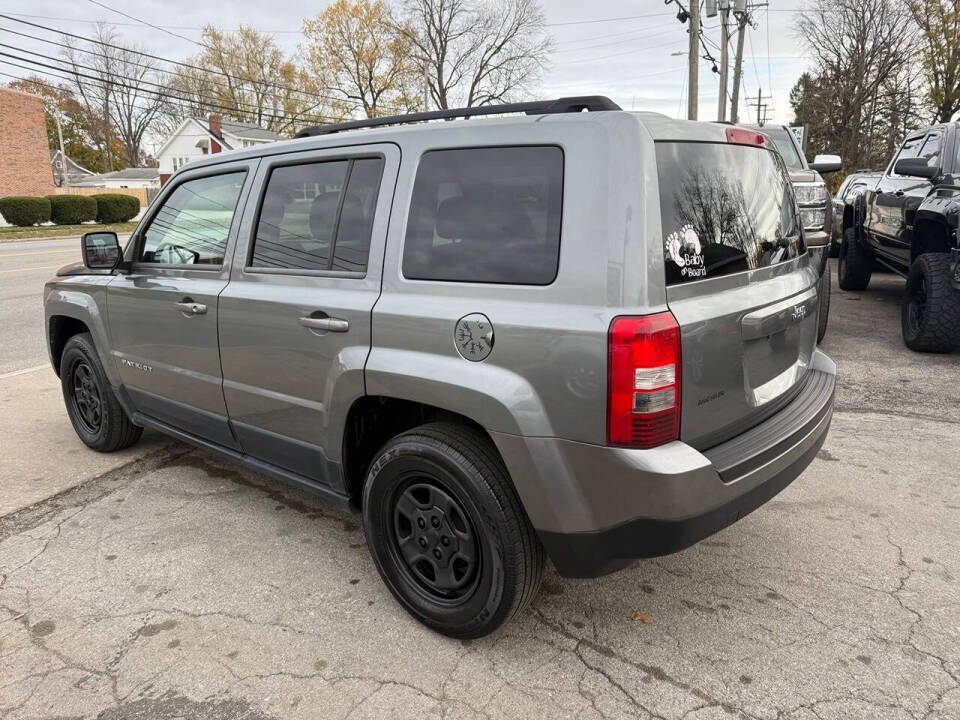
{"x": 295, "y": 319}
{"x": 163, "y": 313}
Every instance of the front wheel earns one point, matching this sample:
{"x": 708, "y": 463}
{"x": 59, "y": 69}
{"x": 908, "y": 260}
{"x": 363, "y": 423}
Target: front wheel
{"x": 856, "y": 263}
{"x": 930, "y": 314}
{"x": 447, "y": 531}
{"x": 94, "y": 411}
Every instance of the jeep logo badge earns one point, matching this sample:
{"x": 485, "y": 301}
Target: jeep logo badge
{"x": 473, "y": 337}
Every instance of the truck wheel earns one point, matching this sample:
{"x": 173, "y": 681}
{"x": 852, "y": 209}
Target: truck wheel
{"x": 823, "y": 290}
{"x": 94, "y": 411}
{"x": 447, "y": 531}
{"x": 856, "y": 263}
{"x": 930, "y": 315}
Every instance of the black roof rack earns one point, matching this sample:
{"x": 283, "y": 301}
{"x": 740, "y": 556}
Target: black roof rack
{"x": 592, "y": 103}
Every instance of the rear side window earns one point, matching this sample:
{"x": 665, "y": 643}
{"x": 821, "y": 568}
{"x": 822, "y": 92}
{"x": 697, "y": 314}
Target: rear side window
{"x": 724, "y": 209}
{"x": 318, "y": 216}
{"x": 486, "y": 215}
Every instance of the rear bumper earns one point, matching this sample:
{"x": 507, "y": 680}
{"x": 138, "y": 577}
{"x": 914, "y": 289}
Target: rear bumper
{"x": 598, "y": 508}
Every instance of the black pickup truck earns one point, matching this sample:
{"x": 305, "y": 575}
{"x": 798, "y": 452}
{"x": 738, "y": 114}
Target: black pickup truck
{"x": 906, "y": 220}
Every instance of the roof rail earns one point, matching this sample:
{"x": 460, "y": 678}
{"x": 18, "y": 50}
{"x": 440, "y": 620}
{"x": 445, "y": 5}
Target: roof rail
{"x": 592, "y": 103}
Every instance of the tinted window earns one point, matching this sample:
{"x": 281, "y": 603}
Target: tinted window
{"x": 783, "y": 141}
{"x": 725, "y": 209}
{"x": 909, "y": 150}
{"x": 356, "y": 218}
{"x": 931, "y": 148}
{"x": 488, "y": 215}
{"x": 192, "y": 225}
{"x": 305, "y": 215}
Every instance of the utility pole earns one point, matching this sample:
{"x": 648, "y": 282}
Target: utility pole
{"x": 724, "y": 60}
{"x": 693, "y": 57}
{"x": 761, "y": 107}
{"x": 743, "y": 19}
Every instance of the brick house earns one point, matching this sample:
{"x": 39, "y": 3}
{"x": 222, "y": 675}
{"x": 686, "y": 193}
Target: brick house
{"x": 24, "y": 151}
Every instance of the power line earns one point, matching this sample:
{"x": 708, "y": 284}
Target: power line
{"x": 241, "y": 104}
{"x": 178, "y": 63}
{"x": 606, "y": 20}
{"x": 70, "y": 75}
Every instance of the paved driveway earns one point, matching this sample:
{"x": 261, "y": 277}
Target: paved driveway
{"x": 179, "y": 586}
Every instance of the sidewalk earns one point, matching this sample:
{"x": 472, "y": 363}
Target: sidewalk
{"x": 42, "y": 455}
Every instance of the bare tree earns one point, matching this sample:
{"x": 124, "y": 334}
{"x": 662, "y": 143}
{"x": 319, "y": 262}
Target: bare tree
{"x": 859, "y": 48}
{"x": 477, "y": 53}
{"x": 119, "y": 90}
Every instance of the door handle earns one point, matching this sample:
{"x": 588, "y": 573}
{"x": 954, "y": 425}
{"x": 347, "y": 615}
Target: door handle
{"x": 899, "y": 193}
{"x": 327, "y": 324}
{"x": 189, "y": 307}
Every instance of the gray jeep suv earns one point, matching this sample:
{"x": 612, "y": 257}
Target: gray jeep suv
{"x": 588, "y": 336}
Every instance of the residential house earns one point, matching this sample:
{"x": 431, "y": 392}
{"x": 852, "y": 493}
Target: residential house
{"x": 195, "y": 138}
{"x": 24, "y": 150}
{"x": 145, "y": 177}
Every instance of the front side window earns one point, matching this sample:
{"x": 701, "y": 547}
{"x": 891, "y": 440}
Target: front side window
{"x": 910, "y": 149}
{"x": 486, "y": 215}
{"x": 783, "y": 141}
{"x": 931, "y": 148}
{"x": 724, "y": 209}
{"x": 193, "y": 224}
{"x": 318, "y": 216}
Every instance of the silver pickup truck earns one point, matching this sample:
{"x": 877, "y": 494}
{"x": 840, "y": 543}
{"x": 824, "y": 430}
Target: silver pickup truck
{"x": 570, "y": 332}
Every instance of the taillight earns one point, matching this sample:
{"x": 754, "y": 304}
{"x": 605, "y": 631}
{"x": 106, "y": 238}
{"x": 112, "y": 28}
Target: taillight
{"x": 741, "y": 136}
{"x": 643, "y": 381}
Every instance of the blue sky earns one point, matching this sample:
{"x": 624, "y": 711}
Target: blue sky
{"x": 620, "y": 48}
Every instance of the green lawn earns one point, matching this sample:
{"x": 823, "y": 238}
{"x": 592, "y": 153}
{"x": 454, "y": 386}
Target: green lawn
{"x": 47, "y": 231}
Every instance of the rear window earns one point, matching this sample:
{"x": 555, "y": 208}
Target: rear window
{"x": 725, "y": 209}
{"x": 486, "y": 215}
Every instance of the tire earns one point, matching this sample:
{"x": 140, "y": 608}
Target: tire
{"x": 443, "y": 480}
{"x": 856, "y": 263}
{"x": 823, "y": 290}
{"x": 930, "y": 314}
{"x": 94, "y": 411}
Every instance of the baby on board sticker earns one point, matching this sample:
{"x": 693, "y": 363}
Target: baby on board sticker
{"x": 683, "y": 245}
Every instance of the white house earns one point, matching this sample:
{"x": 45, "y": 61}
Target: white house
{"x": 196, "y": 138}
{"x": 145, "y": 177}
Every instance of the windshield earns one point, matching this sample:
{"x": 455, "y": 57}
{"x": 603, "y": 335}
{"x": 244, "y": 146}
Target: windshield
{"x": 724, "y": 209}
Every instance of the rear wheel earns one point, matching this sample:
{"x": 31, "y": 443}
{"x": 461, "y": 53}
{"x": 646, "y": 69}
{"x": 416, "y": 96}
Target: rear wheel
{"x": 94, "y": 411}
{"x": 447, "y": 531}
{"x": 930, "y": 315}
{"x": 823, "y": 290}
{"x": 856, "y": 263}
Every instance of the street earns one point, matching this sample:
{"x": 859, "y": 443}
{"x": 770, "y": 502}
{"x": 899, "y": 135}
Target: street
{"x": 167, "y": 583}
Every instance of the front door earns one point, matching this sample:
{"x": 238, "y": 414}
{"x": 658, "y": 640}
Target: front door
{"x": 887, "y": 212}
{"x": 163, "y": 314}
{"x": 295, "y": 318}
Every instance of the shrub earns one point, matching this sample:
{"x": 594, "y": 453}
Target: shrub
{"x": 116, "y": 208}
{"x": 24, "y": 211}
{"x": 72, "y": 209}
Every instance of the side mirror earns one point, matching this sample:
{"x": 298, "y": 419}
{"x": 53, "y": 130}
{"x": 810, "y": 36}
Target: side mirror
{"x": 916, "y": 167}
{"x": 101, "y": 250}
{"x": 824, "y": 164}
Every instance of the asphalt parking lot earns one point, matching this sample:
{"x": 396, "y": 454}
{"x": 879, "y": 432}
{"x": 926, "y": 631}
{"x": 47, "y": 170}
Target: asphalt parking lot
{"x": 171, "y": 584}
